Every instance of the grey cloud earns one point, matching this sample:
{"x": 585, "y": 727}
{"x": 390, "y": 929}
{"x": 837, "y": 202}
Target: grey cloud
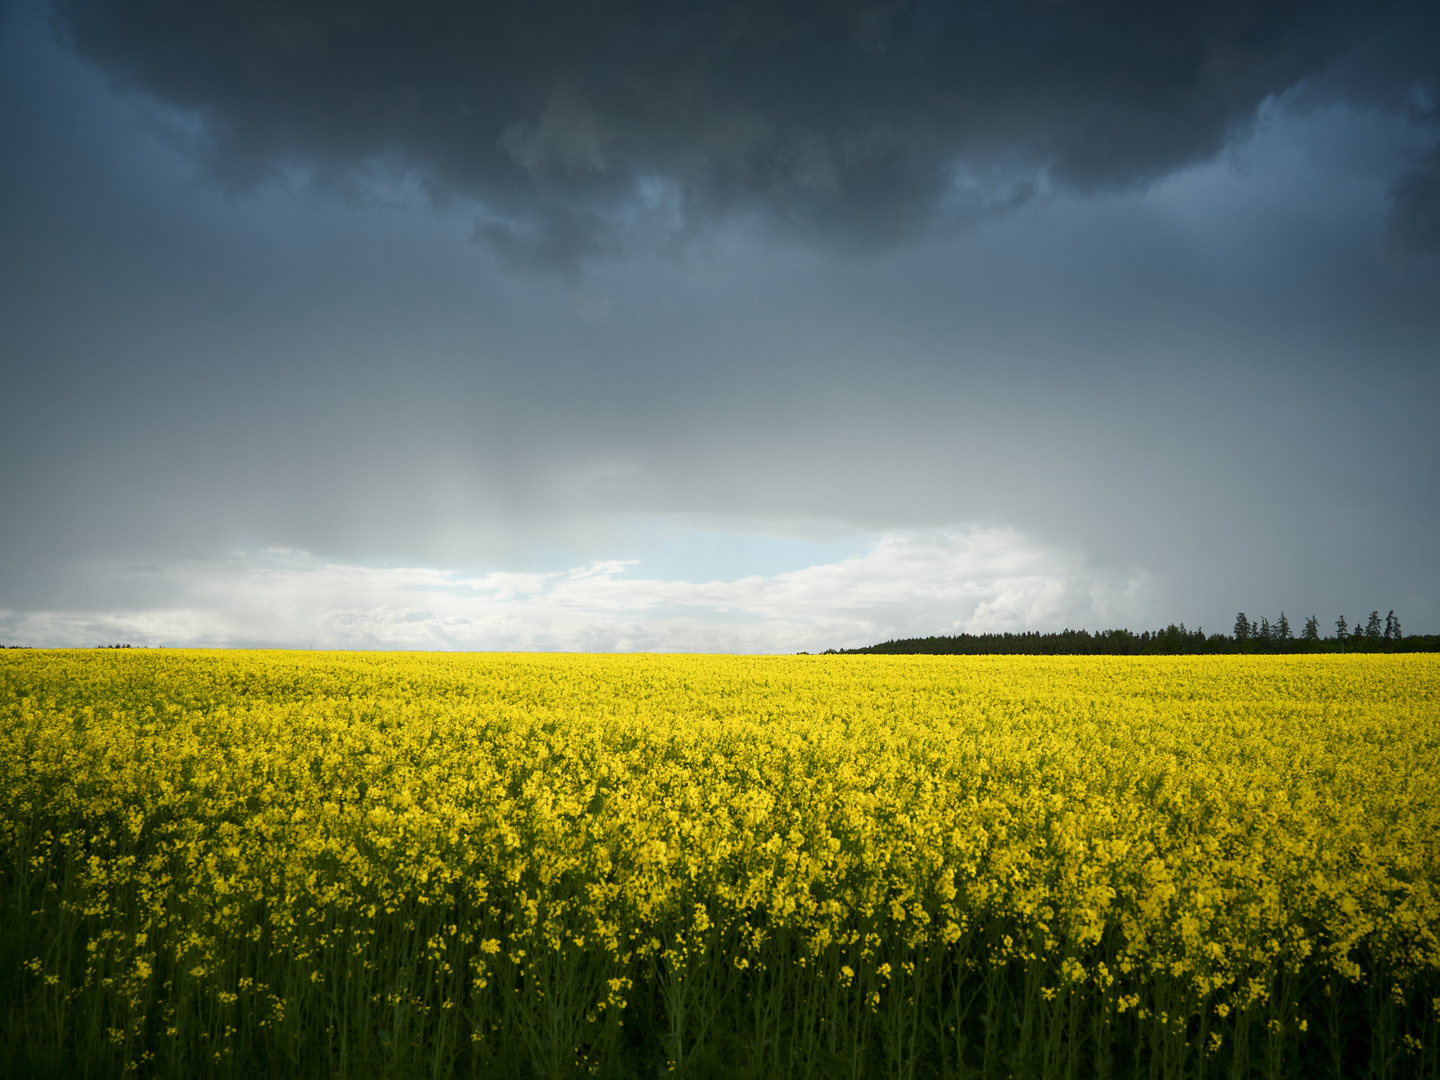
{"x": 1415, "y": 220}
{"x": 844, "y": 118}
{"x": 567, "y": 138}
{"x": 1221, "y": 378}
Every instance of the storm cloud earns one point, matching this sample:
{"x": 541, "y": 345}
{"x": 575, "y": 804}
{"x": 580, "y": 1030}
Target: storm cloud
{"x": 573, "y": 123}
{"x": 805, "y": 324}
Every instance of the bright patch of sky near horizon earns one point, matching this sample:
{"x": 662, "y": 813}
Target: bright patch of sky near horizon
{"x": 900, "y": 585}
{"x": 1157, "y": 404}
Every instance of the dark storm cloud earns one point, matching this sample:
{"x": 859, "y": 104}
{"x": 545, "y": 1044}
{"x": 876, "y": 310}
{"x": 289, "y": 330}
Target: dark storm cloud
{"x": 569, "y": 119}
{"x": 1217, "y": 381}
{"x": 1415, "y": 222}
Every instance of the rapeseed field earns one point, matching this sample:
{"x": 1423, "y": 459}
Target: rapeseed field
{"x": 353, "y": 865}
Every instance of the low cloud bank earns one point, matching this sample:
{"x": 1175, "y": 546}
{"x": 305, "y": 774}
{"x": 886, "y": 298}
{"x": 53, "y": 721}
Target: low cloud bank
{"x": 907, "y": 583}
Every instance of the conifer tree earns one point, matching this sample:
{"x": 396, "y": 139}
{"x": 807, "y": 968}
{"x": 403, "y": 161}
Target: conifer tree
{"x": 1282, "y": 629}
{"x": 1242, "y": 629}
{"x": 1340, "y": 628}
{"x": 1372, "y": 626}
{"x": 1312, "y": 629}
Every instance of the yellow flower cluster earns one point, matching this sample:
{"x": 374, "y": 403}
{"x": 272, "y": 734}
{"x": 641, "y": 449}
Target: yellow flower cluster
{"x": 355, "y": 864}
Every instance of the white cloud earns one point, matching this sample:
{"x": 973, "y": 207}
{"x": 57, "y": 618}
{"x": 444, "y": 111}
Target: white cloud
{"x": 905, "y": 584}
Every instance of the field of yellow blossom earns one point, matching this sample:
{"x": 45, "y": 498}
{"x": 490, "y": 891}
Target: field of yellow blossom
{"x": 358, "y": 864}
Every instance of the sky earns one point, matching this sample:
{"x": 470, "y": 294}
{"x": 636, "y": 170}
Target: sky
{"x": 759, "y": 326}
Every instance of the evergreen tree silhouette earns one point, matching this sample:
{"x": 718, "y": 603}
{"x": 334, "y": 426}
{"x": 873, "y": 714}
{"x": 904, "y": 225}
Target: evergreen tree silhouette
{"x": 1340, "y": 628}
{"x": 1282, "y": 629}
{"x": 1312, "y": 629}
{"x": 1242, "y": 629}
{"x": 1372, "y": 626}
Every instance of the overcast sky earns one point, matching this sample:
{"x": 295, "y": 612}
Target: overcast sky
{"x": 764, "y": 325}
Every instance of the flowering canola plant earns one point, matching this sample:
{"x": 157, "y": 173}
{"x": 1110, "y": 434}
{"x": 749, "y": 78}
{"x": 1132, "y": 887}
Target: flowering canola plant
{"x": 355, "y": 864}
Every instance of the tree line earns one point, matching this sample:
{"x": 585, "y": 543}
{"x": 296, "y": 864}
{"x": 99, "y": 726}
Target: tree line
{"x": 1372, "y": 634}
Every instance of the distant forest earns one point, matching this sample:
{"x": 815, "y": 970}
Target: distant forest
{"x": 1375, "y": 634}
